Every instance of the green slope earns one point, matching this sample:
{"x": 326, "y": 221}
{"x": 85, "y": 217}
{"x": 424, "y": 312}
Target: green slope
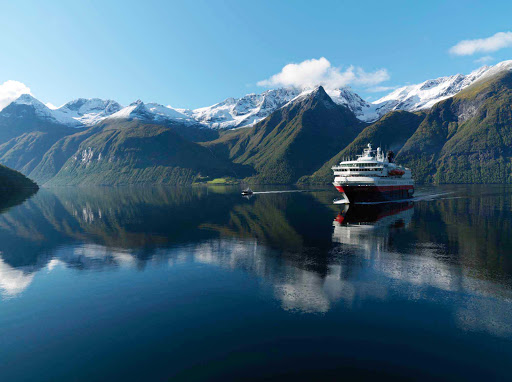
{"x": 467, "y": 138}
{"x": 26, "y": 151}
{"x": 136, "y": 153}
{"x": 293, "y": 141}
{"x": 53, "y": 159}
{"x": 390, "y": 132}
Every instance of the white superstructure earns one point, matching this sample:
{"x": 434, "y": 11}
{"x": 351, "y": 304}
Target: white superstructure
{"x": 373, "y": 176}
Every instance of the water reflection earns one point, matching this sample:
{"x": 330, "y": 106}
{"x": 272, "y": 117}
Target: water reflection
{"x": 10, "y": 198}
{"x": 369, "y": 226}
{"x": 312, "y": 254}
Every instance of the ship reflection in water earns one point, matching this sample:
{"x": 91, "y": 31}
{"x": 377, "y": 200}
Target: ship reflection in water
{"x": 198, "y": 275}
{"x": 359, "y": 224}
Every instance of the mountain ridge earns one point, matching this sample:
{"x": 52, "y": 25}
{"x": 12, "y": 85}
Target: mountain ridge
{"x": 464, "y": 138}
{"x": 253, "y": 108}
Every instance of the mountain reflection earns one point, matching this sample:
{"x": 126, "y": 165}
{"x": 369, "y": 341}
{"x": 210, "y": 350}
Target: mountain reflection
{"x": 314, "y": 254}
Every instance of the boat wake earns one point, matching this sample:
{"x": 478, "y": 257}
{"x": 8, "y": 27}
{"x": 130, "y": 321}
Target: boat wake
{"x": 418, "y": 198}
{"x": 278, "y": 192}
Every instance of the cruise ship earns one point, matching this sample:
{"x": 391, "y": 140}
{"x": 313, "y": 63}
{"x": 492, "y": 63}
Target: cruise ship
{"x": 373, "y": 177}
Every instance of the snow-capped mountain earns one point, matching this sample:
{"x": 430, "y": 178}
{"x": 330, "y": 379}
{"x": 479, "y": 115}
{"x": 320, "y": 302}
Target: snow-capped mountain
{"x": 428, "y": 93}
{"x": 245, "y": 111}
{"x": 252, "y": 108}
{"x": 40, "y": 110}
{"x": 231, "y": 113}
{"x": 77, "y": 113}
{"x": 89, "y": 111}
{"x": 151, "y": 112}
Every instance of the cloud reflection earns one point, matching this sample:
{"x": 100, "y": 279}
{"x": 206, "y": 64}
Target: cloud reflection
{"x": 13, "y": 281}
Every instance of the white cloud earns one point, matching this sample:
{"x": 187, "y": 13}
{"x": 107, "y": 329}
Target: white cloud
{"x": 51, "y": 106}
{"x": 484, "y": 60}
{"x": 483, "y": 45}
{"x": 10, "y": 90}
{"x": 310, "y": 73}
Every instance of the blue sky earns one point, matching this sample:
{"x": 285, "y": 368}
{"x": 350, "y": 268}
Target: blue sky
{"x": 196, "y": 53}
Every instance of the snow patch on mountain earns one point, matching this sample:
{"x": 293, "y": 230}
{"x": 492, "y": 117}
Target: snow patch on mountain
{"x": 167, "y": 112}
{"x": 361, "y": 108}
{"x": 89, "y": 111}
{"x": 245, "y": 111}
{"x": 152, "y": 112}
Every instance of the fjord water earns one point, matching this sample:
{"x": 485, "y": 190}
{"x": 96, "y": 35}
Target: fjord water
{"x": 203, "y": 284}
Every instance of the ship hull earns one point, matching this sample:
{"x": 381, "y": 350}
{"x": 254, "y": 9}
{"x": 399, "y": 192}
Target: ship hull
{"x": 372, "y": 193}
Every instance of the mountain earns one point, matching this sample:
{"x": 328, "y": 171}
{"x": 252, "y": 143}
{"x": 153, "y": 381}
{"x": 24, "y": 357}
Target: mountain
{"x": 191, "y": 124}
{"x": 345, "y": 96}
{"x": 294, "y": 135}
{"x": 293, "y": 141}
{"x": 253, "y": 108}
{"x": 466, "y": 138}
{"x": 77, "y": 113}
{"x": 426, "y": 94}
{"x": 245, "y": 111}
{"x": 88, "y": 111}
{"x": 56, "y": 155}
{"x": 27, "y": 130}
{"x": 155, "y": 113}
{"x": 136, "y": 152}
{"x": 28, "y": 106}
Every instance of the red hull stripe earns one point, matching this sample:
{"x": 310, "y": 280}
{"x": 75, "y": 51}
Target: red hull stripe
{"x": 377, "y": 188}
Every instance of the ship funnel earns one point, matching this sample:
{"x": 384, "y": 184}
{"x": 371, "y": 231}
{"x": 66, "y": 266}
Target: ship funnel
{"x": 391, "y": 156}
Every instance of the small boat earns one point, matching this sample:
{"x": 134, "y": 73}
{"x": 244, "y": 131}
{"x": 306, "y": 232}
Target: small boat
{"x": 247, "y": 191}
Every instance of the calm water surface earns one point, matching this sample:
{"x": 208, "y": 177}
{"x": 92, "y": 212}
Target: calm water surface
{"x": 202, "y": 284}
